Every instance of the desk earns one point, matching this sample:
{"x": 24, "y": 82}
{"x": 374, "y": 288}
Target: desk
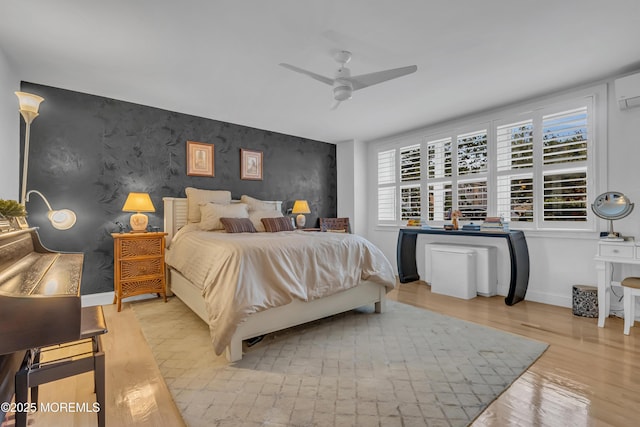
{"x": 518, "y": 256}
{"x": 610, "y": 253}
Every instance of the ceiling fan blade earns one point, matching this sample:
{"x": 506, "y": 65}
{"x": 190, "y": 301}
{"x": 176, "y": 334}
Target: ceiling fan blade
{"x": 365, "y": 80}
{"x": 315, "y": 76}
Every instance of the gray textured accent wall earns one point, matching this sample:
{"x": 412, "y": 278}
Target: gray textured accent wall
{"x": 88, "y": 152}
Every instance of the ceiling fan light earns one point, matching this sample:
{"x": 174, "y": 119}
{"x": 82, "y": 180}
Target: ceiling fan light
{"x": 341, "y": 93}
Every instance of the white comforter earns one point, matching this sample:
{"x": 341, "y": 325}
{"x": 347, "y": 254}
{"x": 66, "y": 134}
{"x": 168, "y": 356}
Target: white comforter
{"x": 244, "y": 273}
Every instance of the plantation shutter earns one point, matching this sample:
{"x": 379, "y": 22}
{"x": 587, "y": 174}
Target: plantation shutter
{"x": 565, "y": 196}
{"x": 410, "y": 172}
{"x": 565, "y": 139}
{"x": 472, "y": 152}
{"x": 514, "y": 165}
{"x": 439, "y": 159}
{"x": 472, "y": 199}
{"x": 439, "y": 177}
{"x": 565, "y": 136}
{"x": 386, "y": 186}
{"x": 440, "y": 201}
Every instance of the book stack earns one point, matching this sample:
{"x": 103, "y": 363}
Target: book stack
{"x": 492, "y": 223}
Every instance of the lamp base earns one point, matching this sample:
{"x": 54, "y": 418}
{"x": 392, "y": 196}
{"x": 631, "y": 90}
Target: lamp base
{"x": 300, "y": 220}
{"x": 139, "y": 223}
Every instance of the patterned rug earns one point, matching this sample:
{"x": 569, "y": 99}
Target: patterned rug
{"x": 405, "y": 367}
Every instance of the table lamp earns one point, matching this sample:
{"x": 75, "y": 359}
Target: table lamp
{"x": 300, "y": 207}
{"x": 138, "y": 202}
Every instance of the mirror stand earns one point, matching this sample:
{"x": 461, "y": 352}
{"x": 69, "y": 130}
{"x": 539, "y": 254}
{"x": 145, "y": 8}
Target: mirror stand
{"x": 612, "y": 234}
{"x": 612, "y": 205}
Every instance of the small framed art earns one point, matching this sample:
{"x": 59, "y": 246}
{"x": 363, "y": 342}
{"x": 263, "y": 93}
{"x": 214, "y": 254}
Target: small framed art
{"x": 250, "y": 164}
{"x": 200, "y": 159}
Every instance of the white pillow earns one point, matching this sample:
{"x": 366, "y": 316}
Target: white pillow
{"x": 197, "y": 197}
{"x": 257, "y": 205}
{"x": 212, "y": 212}
{"x": 256, "y": 216}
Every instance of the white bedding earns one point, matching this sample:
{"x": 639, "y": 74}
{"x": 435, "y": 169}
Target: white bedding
{"x": 244, "y": 273}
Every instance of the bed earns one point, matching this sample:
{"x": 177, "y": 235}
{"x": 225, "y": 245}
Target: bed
{"x": 277, "y": 312}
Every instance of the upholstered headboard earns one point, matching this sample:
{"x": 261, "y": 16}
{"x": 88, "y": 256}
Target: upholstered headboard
{"x": 176, "y": 214}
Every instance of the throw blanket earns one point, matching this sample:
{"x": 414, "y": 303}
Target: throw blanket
{"x": 244, "y": 273}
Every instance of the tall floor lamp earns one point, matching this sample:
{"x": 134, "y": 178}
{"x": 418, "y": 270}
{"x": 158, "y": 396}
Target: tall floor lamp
{"x": 62, "y": 219}
{"x": 29, "y": 105}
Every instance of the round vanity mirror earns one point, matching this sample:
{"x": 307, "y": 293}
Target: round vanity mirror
{"x": 612, "y": 205}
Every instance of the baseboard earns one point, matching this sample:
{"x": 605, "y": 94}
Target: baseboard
{"x": 548, "y": 298}
{"x": 106, "y": 298}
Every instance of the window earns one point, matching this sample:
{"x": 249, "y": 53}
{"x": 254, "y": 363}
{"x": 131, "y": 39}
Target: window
{"x": 565, "y": 144}
{"x": 514, "y": 168}
{"x": 472, "y": 153}
{"x": 439, "y": 175}
{"x": 533, "y": 169}
{"x": 386, "y": 186}
{"x": 410, "y": 173}
{"x": 472, "y": 199}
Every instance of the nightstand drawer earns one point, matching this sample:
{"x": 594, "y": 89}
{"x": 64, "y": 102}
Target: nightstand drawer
{"x": 136, "y": 287}
{"x": 141, "y": 267}
{"x": 616, "y": 251}
{"x": 140, "y": 247}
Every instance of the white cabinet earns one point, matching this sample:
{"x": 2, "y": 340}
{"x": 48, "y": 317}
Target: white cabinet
{"x": 610, "y": 253}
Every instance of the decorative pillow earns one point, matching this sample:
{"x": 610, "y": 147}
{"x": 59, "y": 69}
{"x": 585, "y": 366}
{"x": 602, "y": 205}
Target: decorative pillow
{"x": 257, "y": 205}
{"x": 197, "y": 197}
{"x": 273, "y": 225}
{"x": 238, "y": 225}
{"x": 256, "y": 216}
{"x": 212, "y": 212}
{"x": 340, "y": 230}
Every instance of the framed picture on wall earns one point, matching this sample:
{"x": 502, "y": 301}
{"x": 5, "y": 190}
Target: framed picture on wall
{"x": 200, "y": 159}
{"x": 250, "y": 164}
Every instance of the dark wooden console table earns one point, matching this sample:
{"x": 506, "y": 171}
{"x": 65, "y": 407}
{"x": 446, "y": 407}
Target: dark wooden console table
{"x": 516, "y": 242}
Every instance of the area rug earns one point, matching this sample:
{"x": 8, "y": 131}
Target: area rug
{"x": 405, "y": 367}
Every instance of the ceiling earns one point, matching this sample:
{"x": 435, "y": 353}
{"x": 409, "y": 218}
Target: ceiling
{"x": 219, "y": 59}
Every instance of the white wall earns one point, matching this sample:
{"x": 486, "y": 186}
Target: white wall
{"x": 9, "y": 132}
{"x": 558, "y": 261}
{"x": 352, "y": 185}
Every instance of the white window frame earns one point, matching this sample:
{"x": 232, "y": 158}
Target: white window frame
{"x": 595, "y": 100}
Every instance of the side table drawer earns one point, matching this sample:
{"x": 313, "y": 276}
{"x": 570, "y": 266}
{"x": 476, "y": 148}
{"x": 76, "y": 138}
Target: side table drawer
{"x": 616, "y": 251}
{"x": 141, "y": 267}
{"x": 140, "y": 247}
{"x": 136, "y": 287}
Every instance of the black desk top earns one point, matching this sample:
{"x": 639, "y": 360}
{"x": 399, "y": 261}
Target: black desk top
{"x": 477, "y": 233}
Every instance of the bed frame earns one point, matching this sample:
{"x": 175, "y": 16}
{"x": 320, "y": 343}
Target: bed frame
{"x": 274, "y": 319}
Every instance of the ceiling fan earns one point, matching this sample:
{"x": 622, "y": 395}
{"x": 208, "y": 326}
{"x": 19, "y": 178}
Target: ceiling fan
{"x": 344, "y": 84}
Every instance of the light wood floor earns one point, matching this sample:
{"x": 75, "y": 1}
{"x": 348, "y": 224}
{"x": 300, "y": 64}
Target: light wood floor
{"x": 588, "y": 376}
{"x": 136, "y": 394}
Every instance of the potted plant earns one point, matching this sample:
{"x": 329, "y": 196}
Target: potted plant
{"x": 9, "y": 211}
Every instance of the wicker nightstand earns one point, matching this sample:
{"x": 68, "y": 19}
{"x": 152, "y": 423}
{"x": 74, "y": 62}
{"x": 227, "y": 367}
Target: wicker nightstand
{"x": 138, "y": 268}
